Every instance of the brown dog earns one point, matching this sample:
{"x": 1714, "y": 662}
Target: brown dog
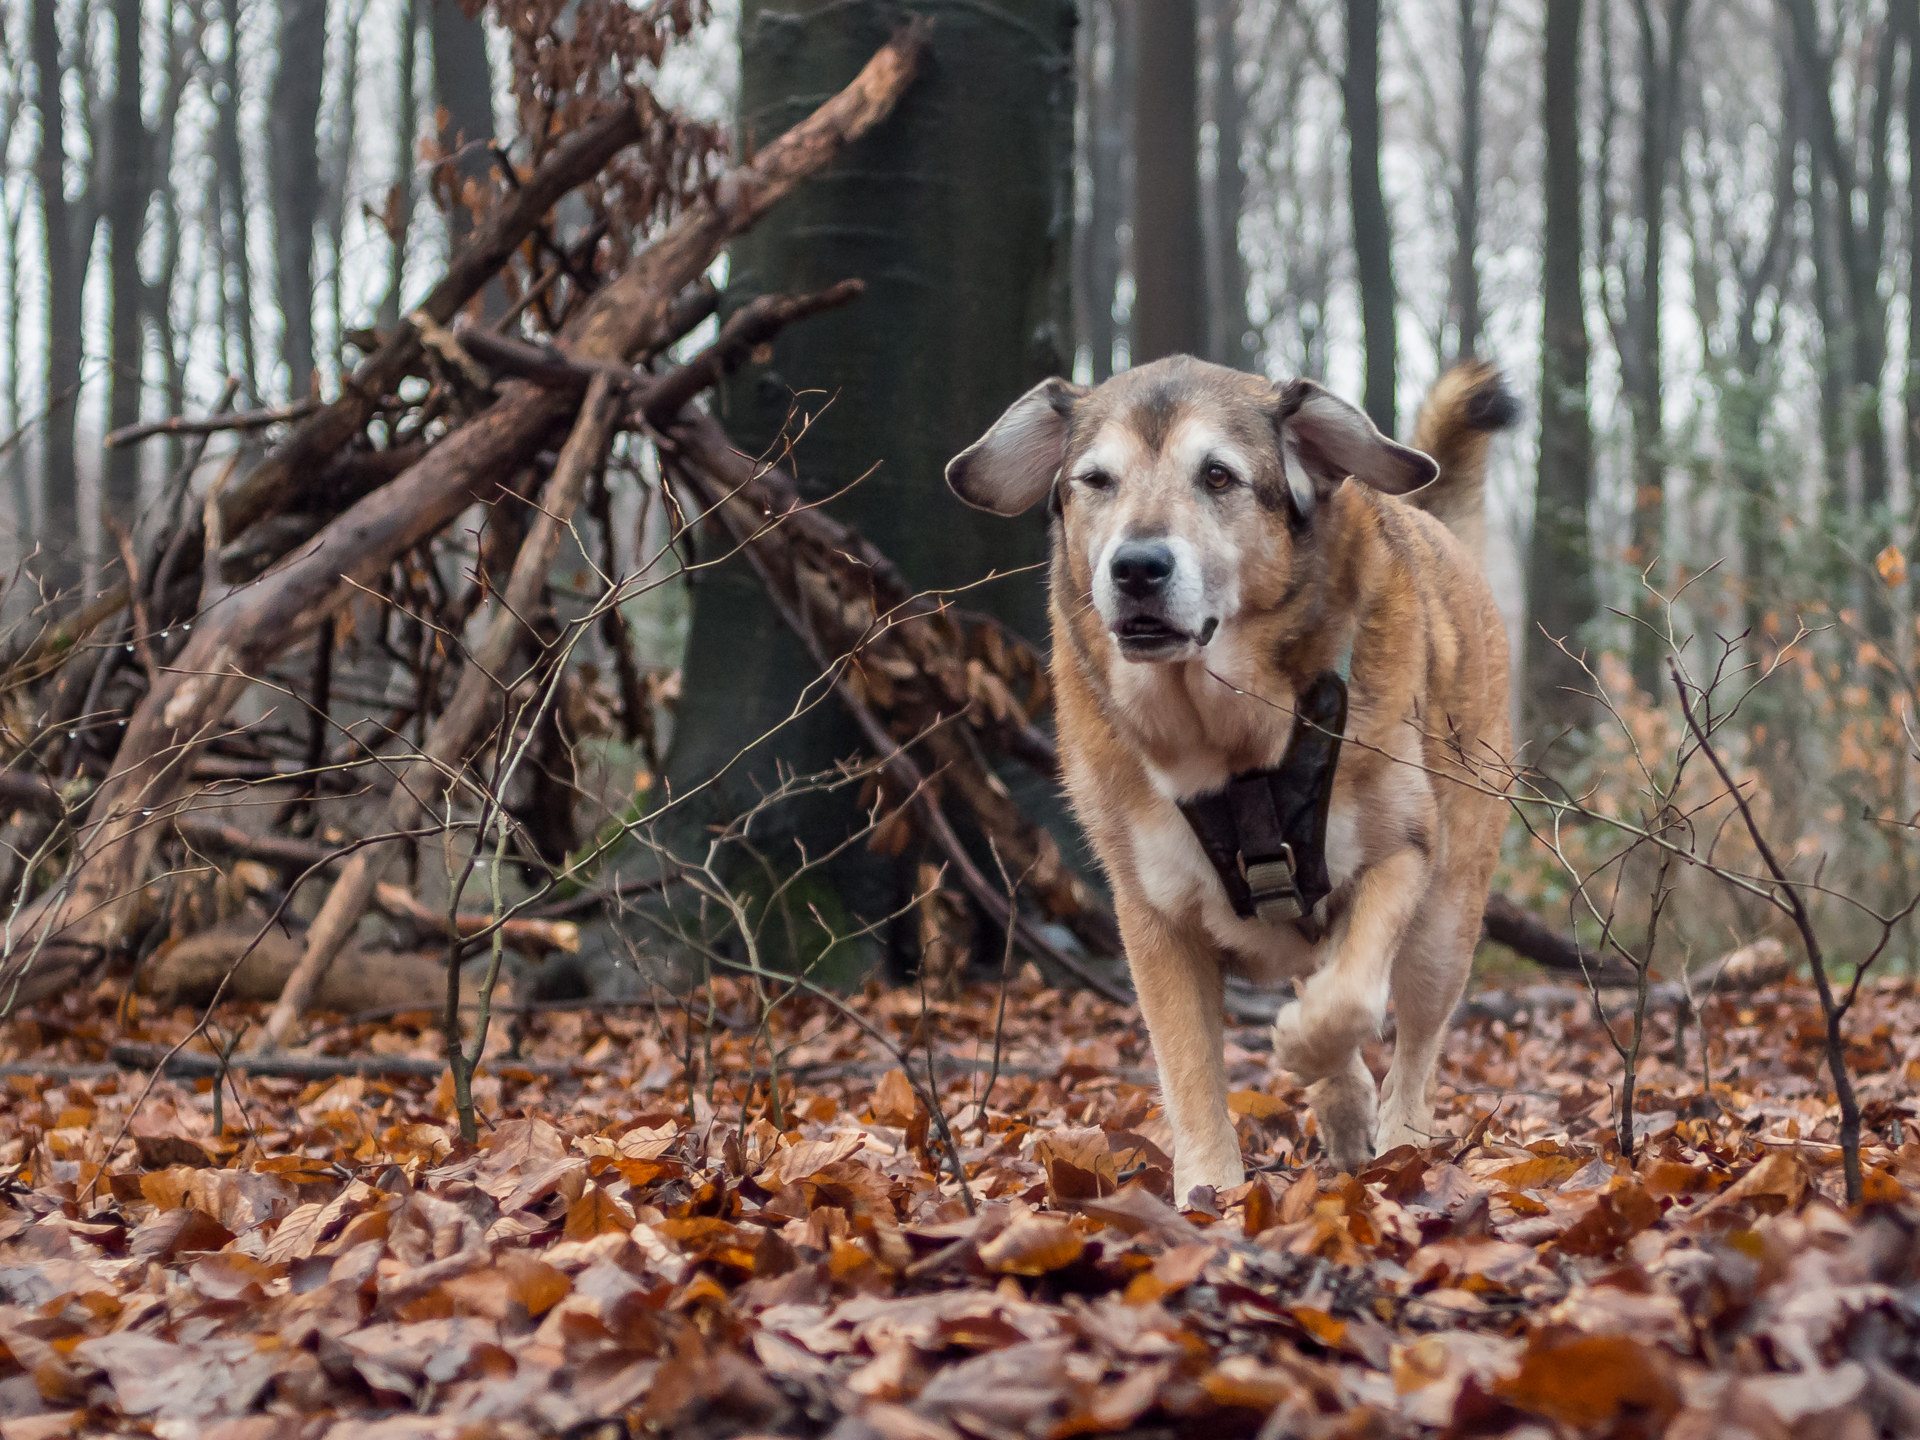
{"x": 1218, "y": 543}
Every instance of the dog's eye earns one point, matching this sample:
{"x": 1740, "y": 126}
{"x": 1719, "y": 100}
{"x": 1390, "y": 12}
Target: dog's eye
{"x": 1097, "y": 480}
{"x": 1217, "y": 476}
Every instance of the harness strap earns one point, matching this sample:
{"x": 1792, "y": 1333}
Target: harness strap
{"x": 1265, "y": 831}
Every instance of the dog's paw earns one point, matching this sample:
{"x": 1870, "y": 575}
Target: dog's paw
{"x": 1301, "y": 1045}
{"x": 1219, "y": 1178}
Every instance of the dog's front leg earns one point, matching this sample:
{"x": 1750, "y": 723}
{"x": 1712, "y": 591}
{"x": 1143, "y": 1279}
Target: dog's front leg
{"x": 1176, "y": 974}
{"x": 1318, "y": 1036}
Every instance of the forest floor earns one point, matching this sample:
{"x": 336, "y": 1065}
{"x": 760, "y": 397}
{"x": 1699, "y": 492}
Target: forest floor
{"x": 640, "y": 1243}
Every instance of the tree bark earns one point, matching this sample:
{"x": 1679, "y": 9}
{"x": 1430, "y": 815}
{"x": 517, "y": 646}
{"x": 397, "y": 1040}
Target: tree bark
{"x": 1229, "y": 325}
{"x": 1112, "y": 129}
{"x": 956, "y": 214}
{"x": 1662, "y": 51}
{"x": 1561, "y": 599}
{"x": 1463, "y": 280}
{"x": 293, "y": 122}
{"x": 126, "y": 221}
{"x": 463, "y": 84}
{"x": 236, "y": 247}
{"x": 1372, "y": 231}
{"x": 1169, "y": 264}
{"x": 399, "y": 216}
{"x": 67, "y": 231}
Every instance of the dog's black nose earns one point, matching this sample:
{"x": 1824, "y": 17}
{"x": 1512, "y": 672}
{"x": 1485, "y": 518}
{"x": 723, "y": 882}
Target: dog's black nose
{"x": 1140, "y": 567}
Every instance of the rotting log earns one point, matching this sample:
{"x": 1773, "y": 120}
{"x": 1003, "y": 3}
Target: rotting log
{"x": 187, "y": 703}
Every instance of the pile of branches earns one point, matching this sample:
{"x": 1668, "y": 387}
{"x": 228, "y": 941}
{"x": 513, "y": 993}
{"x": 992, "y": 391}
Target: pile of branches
{"x": 121, "y": 735}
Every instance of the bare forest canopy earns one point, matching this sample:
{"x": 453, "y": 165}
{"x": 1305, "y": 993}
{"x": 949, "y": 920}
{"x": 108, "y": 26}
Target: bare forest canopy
{"x": 519, "y": 779}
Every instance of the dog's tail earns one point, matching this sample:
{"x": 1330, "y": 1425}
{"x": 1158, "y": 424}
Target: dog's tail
{"x": 1466, "y": 406}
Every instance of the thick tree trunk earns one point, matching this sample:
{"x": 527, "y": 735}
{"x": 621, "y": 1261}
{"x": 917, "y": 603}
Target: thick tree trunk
{"x": 1372, "y": 232}
{"x": 67, "y": 231}
{"x": 1229, "y": 327}
{"x": 1169, "y": 264}
{"x": 126, "y": 221}
{"x": 955, "y": 214}
{"x": 1561, "y": 599}
{"x": 293, "y": 122}
{"x": 463, "y": 85}
{"x": 1112, "y": 132}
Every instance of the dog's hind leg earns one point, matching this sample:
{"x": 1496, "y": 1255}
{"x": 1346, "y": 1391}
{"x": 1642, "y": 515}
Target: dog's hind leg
{"x": 1429, "y": 976}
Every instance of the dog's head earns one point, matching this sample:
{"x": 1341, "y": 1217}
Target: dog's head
{"x": 1186, "y": 493}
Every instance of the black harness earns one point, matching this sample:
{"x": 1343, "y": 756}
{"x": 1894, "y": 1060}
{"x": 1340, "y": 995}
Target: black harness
{"x": 1265, "y": 833}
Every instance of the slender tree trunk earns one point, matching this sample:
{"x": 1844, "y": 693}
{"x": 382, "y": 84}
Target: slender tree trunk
{"x": 955, "y": 213}
{"x": 1169, "y": 304}
{"x": 1227, "y": 269}
{"x": 232, "y": 164}
{"x": 1911, "y": 16}
{"x": 340, "y": 177}
{"x": 293, "y": 123}
{"x": 1661, "y": 57}
{"x": 65, "y": 279}
{"x": 463, "y": 85}
{"x": 16, "y": 458}
{"x": 1372, "y": 232}
{"x": 1112, "y": 127}
{"x": 1561, "y": 599}
{"x": 400, "y": 200}
{"x": 1833, "y": 363}
{"x": 126, "y": 222}
{"x": 1463, "y": 282}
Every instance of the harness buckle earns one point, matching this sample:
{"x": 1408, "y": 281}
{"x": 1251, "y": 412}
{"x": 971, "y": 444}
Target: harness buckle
{"x": 1272, "y": 887}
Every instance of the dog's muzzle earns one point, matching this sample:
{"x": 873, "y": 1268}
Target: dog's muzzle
{"x": 1142, "y": 573}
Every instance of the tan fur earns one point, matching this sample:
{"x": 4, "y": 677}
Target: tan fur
{"x": 1410, "y": 851}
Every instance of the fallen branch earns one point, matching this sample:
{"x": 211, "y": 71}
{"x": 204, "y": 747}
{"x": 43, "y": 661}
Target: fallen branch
{"x": 194, "y": 1064}
{"x": 532, "y": 938}
{"x": 213, "y": 425}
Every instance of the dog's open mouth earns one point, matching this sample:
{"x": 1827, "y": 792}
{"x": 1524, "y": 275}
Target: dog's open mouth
{"x": 1149, "y": 634}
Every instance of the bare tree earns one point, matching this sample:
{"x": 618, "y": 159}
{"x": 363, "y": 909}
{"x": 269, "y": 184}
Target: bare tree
{"x": 463, "y": 85}
{"x": 1561, "y": 600}
{"x": 398, "y": 218}
{"x": 126, "y": 215}
{"x": 1858, "y": 167}
{"x": 1228, "y": 327}
{"x": 67, "y": 228}
{"x": 293, "y": 122}
{"x": 1372, "y": 230}
{"x": 1741, "y": 228}
{"x": 230, "y": 165}
{"x": 1169, "y": 304}
{"x": 1633, "y": 250}
{"x": 1474, "y": 20}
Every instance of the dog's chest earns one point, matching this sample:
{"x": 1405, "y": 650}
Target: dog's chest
{"x": 1191, "y": 740}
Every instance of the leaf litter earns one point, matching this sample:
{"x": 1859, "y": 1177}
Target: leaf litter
{"x": 649, "y": 1240}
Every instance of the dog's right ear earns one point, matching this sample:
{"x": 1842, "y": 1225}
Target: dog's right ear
{"x": 1010, "y": 467}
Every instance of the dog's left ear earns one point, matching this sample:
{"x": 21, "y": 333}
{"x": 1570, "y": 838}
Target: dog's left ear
{"x": 1323, "y": 440}
{"x": 1010, "y": 467}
